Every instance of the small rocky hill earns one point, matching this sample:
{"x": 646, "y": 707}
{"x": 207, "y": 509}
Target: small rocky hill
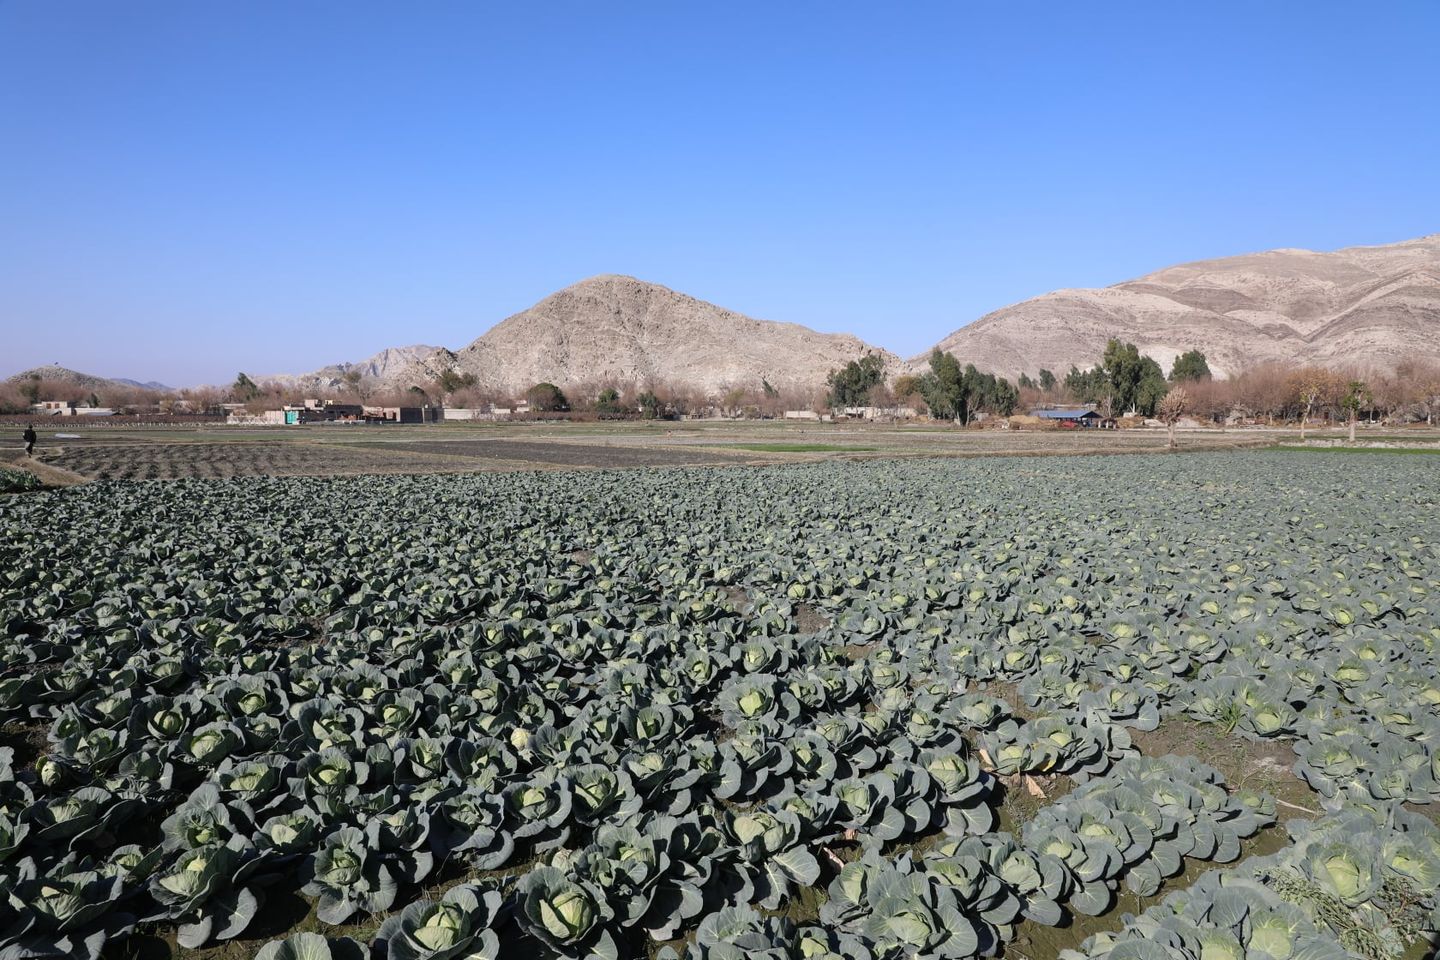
{"x": 53, "y": 373}
{"x": 617, "y": 329}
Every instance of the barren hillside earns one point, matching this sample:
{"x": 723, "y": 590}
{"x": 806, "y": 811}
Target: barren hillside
{"x": 1364, "y": 306}
{"x": 53, "y": 373}
{"x": 1361, "y": 305}
{"x": 391, "y": 367}
{"x": 626, "y": 331}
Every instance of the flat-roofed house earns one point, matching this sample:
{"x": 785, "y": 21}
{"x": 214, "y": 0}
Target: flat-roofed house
{"x": 1085, "y": 417}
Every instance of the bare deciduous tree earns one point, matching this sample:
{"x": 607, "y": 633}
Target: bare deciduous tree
{"x": 1357, "y": 397}
{"x": 1172, "y": 407}
{"x": 1313, "y": 386}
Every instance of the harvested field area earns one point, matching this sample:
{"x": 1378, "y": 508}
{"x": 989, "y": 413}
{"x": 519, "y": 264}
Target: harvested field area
{"x": 158, "y": 460}
{"x": 81, "y": 451}
{"x": 559, "y": 452}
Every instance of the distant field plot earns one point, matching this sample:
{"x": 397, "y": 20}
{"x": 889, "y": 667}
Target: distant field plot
{"x": 802, "y": 448}
{"x": 158, "y": 460}
{"x": 563, "y": 453}
{"x": 1376, "y": 449}
{"x": 938, "y": 440}
{"x": 216, "y": 452}
{"x": 717, "y": 443}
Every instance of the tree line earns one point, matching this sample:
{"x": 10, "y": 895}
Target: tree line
{"x": 947, "y": 391}
{"x": 1124, "y": 381}
{"x": 1272, "y": 393}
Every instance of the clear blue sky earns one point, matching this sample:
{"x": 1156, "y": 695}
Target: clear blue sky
{"x": 192, "y": 188}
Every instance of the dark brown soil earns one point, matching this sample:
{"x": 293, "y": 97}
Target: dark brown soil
{"x": 1265, "y": 765}
{"x": 29, "y": 741}
{"x": 737, "y": 596}
{"x": 810, "y": 620}
{"x": 1008, "y": 692}
{"x": 278, "y": 458}
{"x": 1018, "y": 806}
{"x": 562, "y": 453}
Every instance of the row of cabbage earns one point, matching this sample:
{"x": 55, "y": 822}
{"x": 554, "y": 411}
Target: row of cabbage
{"x": 962, "y": 897}
{"x": 966, "y": 896}
{"x": 364, "y": 786}
{"x": 1359, "y": 883}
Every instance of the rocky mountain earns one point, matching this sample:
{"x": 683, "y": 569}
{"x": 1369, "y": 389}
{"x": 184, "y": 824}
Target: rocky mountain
{"x": 1362, "y": 306}
{"x": 392, "y": 367}
{"x": 55, "y": 373}
{"x": 387, "y": 364}
{"x": 616, "y": 329}
{"x": 146, "y": 385}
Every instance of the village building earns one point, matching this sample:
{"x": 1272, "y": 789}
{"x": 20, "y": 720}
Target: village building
{"x": 1072, "y": 418}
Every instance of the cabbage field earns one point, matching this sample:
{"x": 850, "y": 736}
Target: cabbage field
{"x": 861, "y": 711}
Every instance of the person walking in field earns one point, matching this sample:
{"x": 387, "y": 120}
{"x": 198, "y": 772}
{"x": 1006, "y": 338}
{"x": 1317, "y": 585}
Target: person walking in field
{"x": 29, "y": 436}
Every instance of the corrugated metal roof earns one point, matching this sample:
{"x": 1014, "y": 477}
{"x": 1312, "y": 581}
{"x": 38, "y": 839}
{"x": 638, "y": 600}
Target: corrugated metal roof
{"x": 1072, "y": 414}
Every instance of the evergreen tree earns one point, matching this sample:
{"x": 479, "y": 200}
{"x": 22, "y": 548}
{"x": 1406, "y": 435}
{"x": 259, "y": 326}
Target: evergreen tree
{"x": 608, "y": 402}
{"x": 546, "y": 398}
{"x": 244, "y": 389}
{"x": 1190, "y": 365}
{"x": 850, "y": 386}
{"x": 944, "y": 387}
{"x": 1124, "y": 380}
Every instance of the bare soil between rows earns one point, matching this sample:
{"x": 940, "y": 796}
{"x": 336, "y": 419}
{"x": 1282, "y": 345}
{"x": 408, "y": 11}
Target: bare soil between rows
{"x": 171, "y": 461}
{"x": 564, "y": 454}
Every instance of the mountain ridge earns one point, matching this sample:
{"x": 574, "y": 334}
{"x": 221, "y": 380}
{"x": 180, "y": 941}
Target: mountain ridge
{"x": 1361, "y": 305}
